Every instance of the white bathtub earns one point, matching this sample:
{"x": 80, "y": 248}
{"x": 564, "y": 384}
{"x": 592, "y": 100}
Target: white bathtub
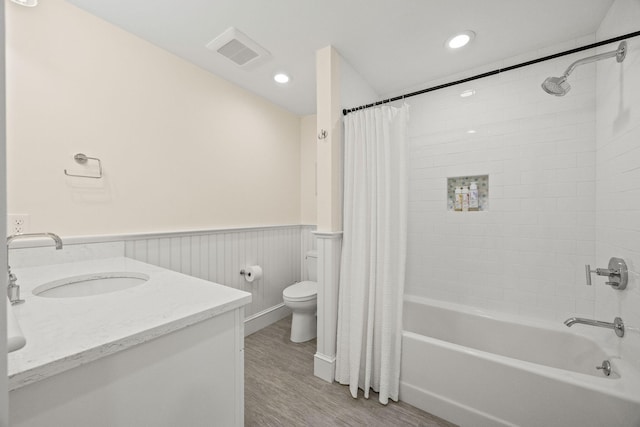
{"x": 479, "y": 369}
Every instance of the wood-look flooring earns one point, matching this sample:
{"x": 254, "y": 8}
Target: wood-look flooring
{"x": 281, "y": 390}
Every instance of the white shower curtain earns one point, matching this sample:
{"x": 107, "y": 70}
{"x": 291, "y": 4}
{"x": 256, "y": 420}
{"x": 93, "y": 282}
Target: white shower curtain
{"x": 373, "y": 251}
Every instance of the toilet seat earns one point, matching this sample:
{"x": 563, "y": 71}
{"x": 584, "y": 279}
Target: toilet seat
{"x": 301, "y": 291}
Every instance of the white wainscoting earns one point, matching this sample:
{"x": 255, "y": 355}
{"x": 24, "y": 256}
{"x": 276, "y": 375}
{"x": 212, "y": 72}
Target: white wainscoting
{"x": 218, "y": 256}
{"x": 308, "y": 242}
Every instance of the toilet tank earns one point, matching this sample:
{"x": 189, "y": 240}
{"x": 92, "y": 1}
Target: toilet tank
{"x": 312, "y": 265}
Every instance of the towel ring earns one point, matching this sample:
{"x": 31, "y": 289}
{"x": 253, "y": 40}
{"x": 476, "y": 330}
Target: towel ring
{"x": 82, "y": 159}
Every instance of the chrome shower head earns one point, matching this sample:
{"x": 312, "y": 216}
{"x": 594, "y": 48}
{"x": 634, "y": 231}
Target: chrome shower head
{"x": 557, "y": 86}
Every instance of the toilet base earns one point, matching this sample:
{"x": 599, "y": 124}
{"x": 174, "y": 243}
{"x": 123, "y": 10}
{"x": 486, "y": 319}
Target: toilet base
{"x": 303, "y": 326}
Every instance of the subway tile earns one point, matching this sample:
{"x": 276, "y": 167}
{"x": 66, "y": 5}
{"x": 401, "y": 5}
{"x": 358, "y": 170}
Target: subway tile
{"x": 518, "y": 191}
{"x": 576, "y": 174}
{"x": 565, "y": 246}
{"x": 539, "y": 204}
{"x": 517, "y": 296}
{"x": 558, "y": 161}
{"x": 436, "y": 172}
{"x": 536, "y": 312}
{"x": 583, "y": 291}
{"x": 576, "y": 204}
{"x": 586, "y": 159}
{"x": 575, "y": 146}
{"x": 537, "y": 177}
{"x": 585, "y": 247}
{"x": 567, "y": 219}
{"x": 505, "y": 205}
{"x": 585, "y": 308}
{"x": 586, "y": 189}
{"x": 492, "y": 293}
{"x": 556, "y": 133}
{"x": 540, "y": 154}
{"x": 563, "y": 304}
{"x": 561, "y": 189}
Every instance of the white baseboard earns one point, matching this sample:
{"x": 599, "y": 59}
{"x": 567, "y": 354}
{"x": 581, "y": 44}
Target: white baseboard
{"x": 324, "y": 367}
{"x": 265, "y": 318}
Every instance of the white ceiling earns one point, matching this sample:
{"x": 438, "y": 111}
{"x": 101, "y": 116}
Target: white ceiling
{"x": 394, "y": 45}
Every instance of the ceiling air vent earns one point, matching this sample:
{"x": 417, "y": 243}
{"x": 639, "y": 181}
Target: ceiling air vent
{"x": 238, "y": 47}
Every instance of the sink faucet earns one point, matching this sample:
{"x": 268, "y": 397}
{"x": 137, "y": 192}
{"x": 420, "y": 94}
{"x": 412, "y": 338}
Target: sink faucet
{"x": 13, "y": 290}
{"x": 617, "y": 325}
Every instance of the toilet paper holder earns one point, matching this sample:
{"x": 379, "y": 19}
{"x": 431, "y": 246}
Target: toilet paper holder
{"x": 251, "y": 273}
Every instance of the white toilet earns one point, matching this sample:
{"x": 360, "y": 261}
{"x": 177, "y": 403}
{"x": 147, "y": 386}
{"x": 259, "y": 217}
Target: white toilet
{"x": 302, "y": 299}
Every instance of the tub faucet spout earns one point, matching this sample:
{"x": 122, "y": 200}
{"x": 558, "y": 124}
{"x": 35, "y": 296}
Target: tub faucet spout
{"x": 13, "y": 290}
{"x": 617, "y": 325}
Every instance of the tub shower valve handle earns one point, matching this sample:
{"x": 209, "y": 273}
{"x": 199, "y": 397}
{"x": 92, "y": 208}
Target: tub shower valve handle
{"x": 598, "y": 271}
{"x": 617, "y": 273}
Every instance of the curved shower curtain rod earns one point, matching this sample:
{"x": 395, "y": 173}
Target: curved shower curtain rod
{"x": 493, "y": 72}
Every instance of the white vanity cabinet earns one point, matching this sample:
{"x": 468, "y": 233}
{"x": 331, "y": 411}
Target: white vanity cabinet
{"x": 146, "y": 363}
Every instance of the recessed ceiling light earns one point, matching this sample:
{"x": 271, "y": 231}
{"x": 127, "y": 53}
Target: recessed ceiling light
{"x": 281, "y": 78}
{"x": 467, "y": 93}
{"x": 471, "y": 131}
{"x": 460, "y": 39}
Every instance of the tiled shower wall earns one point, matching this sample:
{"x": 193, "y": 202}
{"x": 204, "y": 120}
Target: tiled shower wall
{"x": 618, "y": 173}
{"x": 526, "y": 254}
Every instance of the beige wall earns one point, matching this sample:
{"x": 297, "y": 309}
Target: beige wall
{"x": 339, "y": 86}
{"x": 308, "y": 169}
{"x": 181, "y": 149}
{"x": 329, "y": 149}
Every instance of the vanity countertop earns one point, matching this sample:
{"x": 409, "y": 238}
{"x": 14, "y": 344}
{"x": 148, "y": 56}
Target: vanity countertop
{"x": 63, "y": 333}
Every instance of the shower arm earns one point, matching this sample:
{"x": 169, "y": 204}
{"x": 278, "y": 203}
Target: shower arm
{"x": 618, "y": 53}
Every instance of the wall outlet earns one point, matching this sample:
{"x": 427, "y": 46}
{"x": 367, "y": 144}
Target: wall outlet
{"x": 18, "y": 224}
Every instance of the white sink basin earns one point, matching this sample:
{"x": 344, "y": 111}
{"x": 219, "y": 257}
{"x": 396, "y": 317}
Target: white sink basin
{"x": 90, "y": 285}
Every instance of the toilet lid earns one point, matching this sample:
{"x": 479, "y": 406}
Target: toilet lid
{"x": 301, "y": 291}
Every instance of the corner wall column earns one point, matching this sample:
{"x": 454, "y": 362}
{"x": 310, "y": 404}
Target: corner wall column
{"x": 329, "y": 207}
{"x": 329, "y": 251}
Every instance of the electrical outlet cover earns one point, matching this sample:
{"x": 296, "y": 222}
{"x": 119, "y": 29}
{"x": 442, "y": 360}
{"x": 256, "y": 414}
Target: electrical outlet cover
{"x": 17, "y": 224}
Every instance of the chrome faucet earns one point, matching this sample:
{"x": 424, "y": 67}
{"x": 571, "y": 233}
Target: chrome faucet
{"x": 13, "y": 290}
{"x": 617, "y": 325}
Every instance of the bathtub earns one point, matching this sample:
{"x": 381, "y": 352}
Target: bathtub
{"x": 476, "y": 368}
